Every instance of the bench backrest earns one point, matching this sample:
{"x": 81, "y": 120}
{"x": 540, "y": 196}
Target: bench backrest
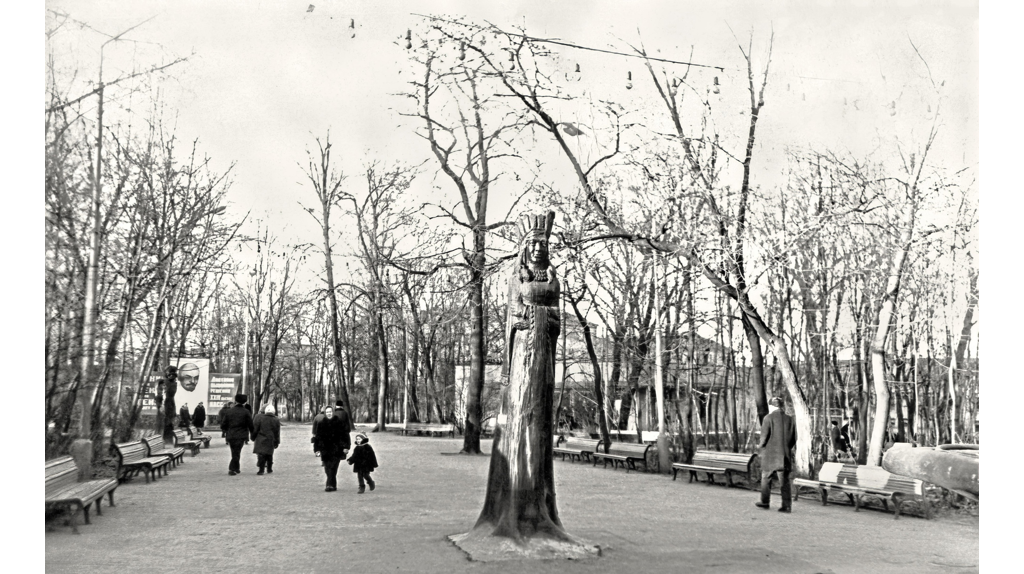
{"x": 60, "y": 473}
{"x": 731, "y": 460}
{"x": 155, "y": 444}
{"x": 180, "y": 436}
{"x": 131, "y": 451}
{"x": 582, "y": 444}
{"x": 629, "y": 449}
{"x": 194, "y": 431}
{"x": 874, "y": 477}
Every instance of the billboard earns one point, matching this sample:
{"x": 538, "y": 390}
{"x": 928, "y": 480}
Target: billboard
{"x": 193, "y": 386}
{"x": 222, "y": 390}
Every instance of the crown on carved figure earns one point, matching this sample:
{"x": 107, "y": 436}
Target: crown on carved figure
{"x": 536, "y": 225}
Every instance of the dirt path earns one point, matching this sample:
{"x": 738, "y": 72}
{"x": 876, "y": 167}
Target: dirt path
{"x": 199, "y": 519}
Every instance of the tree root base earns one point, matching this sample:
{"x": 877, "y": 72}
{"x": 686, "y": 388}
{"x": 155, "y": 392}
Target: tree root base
{"x": 480, "y": 546}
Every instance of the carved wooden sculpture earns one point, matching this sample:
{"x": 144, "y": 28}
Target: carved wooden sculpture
{"x": 520, "y": 517}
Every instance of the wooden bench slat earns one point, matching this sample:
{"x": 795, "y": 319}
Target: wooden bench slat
{"x": 64, "y": 490}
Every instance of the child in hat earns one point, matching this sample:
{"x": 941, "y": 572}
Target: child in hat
{"x": 363, "y": 461}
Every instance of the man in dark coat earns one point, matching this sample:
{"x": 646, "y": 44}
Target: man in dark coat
{"x": 237, "y": 427}
{"x": 222, "y": 413}
{"x": 199, "y": 416}
{"x": 266, "y": 435}
{"x": 183, "y": 417}
{"x": 778, "y": 437}
{"x": 332, "y": 443}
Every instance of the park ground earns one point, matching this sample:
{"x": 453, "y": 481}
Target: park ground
{"x": 199, "y": 519}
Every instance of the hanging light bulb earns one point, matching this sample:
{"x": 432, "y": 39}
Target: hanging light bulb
{"x": 715, "y": 86}
{"x": 577, "y": 67}
{"x": 629, "y": 80}
{"x": 352, "y": 23}
{"x": 462, "y": 51}
{"x": 511, "y": 56}
{"x": 408, "y": 39}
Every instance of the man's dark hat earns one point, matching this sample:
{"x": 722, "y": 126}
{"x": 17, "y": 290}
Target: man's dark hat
{"x": 339, "y": 404}
{"x": 241, "y": 399}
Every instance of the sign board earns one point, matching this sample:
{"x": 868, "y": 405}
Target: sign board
{"x": 193, "y": 386}
{"x": 222, "y": 390}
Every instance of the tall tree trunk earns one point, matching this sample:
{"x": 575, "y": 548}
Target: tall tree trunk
{"x": 477, "y": 329}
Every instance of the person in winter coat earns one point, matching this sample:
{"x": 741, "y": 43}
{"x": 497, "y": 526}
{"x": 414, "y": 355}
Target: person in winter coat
{"x": 266, "y": 435}
{"x": 331, "y": 444}
{"x": 223, "y": 411}
{"x": 199, "y": 416}
{"x": 237, "y": 427}
{"x": 778, "y": 437}
{"x": 363, "y": 461}
{"x": 183, "y": 417}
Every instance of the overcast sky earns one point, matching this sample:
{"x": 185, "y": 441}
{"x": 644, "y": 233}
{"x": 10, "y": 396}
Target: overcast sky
{"x": 268, "y": 76}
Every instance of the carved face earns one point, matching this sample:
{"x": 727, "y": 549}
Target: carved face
{"x": 537, "y": 252}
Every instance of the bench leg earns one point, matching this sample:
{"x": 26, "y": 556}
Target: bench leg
{"x": 147, "y": 472}
{"x": 111, "y": 495}
{"x": 856, "y": 502}
{"x": 85, "y": 511}
{"x": 824, "y": 496}
{"x": 711, "y": 478}
{"x": 693, "y": 476}
{"x": 99, "y": 511}
{"x": 674, "y": 470}
{"x": 897, "y": 504}
{"x": 72, "y": 511}
{"x": 728, "y": 479}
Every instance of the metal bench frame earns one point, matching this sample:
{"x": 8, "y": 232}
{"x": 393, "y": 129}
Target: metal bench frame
{"x": 134, "y": 461}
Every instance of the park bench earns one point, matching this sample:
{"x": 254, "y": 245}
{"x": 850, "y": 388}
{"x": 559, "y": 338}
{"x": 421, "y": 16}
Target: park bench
{"x": 132, "y": 459}
{"x": 626, "y": 454}
{"x": 859, "y": 482}
{"x": 578, "y": 448}
{"x": 156, "y": 447}
{"x": 181, "y": 439}
{"x": 622, "y": 435}
{"x": 430, "y": 428}
{"x": 64, "y": 490}
{"x": 712, "y": 462}
{"x": 200, "y": 436}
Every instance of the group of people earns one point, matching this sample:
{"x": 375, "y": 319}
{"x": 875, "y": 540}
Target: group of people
{"x": 196, "y": 419}
{"x": 331, "y": 441}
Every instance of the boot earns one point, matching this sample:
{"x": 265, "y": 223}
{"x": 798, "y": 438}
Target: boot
{"x": 372, "y": 484}
{"x": 270, "y": 467}
{"x": 362, "y": 489}
{"x": 259, "y": 472}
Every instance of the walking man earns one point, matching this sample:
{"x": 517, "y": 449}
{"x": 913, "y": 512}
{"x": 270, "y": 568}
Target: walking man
{"x": 266, "y": 435}
{"x": 199, "y": 416}
{"x": 237, "y": 427}
{"x": 332, "y": 443}
{"x": 778, "y": 437}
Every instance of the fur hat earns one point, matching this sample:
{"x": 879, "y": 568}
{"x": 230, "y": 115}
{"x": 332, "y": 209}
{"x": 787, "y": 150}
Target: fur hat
{"x": 361, "y": 439}
{"x": 269, "y": 409}
{"x": 241, "y": 399}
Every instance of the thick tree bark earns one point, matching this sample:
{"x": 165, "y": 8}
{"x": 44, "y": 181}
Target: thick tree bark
{"x": 477, "y": 328}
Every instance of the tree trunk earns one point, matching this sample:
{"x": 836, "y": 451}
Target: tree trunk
{"x": 884, "y": 322}
{"x": 477, "y": 329}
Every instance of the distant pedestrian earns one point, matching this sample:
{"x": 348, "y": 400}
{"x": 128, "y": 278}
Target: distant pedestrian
{"x": 836, "y": 438}
{"x": 266, "y": 435}
{"x": 183, "y": 417}
{"x": 363, "y": 461}
{"x": 220, "y": 414}
{"x": 331, "y": 444}
{"x": 199, "y": 416}
{"x": 237, "y": 427}
{"x": 778, "y": 437}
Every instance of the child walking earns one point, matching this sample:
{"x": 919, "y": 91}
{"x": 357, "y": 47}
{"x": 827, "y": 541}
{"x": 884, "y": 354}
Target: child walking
{"x": 363, "y": 461}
